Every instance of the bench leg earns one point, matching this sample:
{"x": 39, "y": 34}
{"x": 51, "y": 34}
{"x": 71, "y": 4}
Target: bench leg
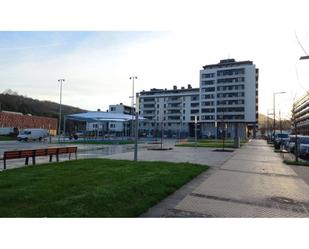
{"x": 33, "y": 160}
{"x": 26, "y": 160}
{"x": 69, "y": 156}
{"x": 4, "y": 164}
{"x": 57, "y": 157}
{"x": 50, "y": 158}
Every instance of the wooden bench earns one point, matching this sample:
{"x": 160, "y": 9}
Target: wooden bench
{"x": 17, "y": 154}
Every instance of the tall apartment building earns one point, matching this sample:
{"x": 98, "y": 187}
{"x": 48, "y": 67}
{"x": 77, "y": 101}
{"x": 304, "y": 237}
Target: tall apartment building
{"x": 302, "y": 114}
{"x": 229, "y": 98}
{"x": 226, "y": 100}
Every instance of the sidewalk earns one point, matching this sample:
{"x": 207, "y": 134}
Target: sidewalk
{"x": 252, "y": 183}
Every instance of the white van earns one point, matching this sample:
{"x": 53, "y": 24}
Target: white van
{"x": 32, "y": 134}
{"x": 6, "y": 130}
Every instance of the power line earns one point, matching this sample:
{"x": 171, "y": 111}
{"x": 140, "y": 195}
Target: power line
{"x": 300, "y": 44}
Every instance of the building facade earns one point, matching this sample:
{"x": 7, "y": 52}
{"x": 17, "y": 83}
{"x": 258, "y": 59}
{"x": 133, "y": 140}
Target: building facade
{"x": 229, "y": 98}
{"x": 169, "y": 111}
{"x": 20, "y": 121}
{"x": 226, "y": 102}
{"x": 117, "y": 128}
{"x": 301, "y": 109}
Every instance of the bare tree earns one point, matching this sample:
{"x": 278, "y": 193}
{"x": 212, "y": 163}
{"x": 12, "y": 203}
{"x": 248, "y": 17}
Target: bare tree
{"x": 294, "y": 127}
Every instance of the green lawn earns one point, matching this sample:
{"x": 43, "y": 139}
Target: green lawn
{"x": 99, "y": 142}
{"x": 206, "y": 145}
{"x": 7, "y": 138}
{"x": 210, "y": 143}
{"x": 90, "y": 187}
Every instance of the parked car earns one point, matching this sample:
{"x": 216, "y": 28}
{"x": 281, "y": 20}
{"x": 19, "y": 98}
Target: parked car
{"x": 280, "y": 139}
{"x": 304, "y": 146}
{"x": 290, "y": 144}
{"x": 32, "y": 134}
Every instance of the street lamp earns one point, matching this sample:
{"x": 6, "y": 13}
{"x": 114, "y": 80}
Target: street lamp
{"x": 274, "y": 97}
{"x": 132, "y": 103}
{"x": 59, "y": 127}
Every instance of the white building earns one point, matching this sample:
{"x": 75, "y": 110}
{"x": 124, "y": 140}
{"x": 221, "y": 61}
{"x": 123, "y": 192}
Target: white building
{"x": 116, "y": 127}
{"x": 226, "y": 100}
{"x": 229, "y": 98}
{"x": 301, "y": 109}
{"x": 172, "y": 111}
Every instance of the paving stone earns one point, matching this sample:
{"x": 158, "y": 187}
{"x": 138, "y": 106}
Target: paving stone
{"x": 217, "y": 208}
{"x": 238, "y": 185}
{"x": 258, "y": 167}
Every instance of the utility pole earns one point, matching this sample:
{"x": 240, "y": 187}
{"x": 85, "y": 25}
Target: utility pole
{"x": 60, "y": 108}
{"x": 280, "y": 127}
{"x": 295, "y": 130}
{"x": 274, "y": 100}
{"x": 136, "y": 136}
{"x": 195, "y": 122}
{"x": 132, "y": 103}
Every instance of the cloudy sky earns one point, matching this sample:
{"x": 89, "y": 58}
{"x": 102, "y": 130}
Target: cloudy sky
{"x": 176, "y": 41}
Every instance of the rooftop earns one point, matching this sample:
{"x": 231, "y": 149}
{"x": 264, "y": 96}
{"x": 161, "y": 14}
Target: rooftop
{"x": 174, "y": 90}
{"x": 227, "y": 63}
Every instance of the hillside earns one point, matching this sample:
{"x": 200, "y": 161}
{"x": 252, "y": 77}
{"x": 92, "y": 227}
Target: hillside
{"x": 285, "y": 124}
{"x": 17, "y": 103}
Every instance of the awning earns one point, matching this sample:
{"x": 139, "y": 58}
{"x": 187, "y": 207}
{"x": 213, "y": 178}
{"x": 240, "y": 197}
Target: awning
{"x": 102, "y": 117}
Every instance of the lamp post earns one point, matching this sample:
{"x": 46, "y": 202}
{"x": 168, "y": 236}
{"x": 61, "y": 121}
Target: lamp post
{"x": 132, "y": 103}
{"x": 60, "y": 107}
{"x": 274, "y": 97}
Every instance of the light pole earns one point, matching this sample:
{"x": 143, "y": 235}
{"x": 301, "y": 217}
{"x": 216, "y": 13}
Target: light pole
{"x": 274, "y": 98}
{"x": 132, "y": 103}
{"x": 59, "y": 127}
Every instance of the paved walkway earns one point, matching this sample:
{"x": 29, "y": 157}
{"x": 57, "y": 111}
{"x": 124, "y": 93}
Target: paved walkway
{"x": 252, "y": 183}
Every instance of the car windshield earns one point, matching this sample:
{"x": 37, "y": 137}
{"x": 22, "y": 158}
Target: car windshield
{"x": 26, "y": 133}
{"x": 304, "y": 140}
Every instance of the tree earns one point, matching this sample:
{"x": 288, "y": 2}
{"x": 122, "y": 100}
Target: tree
{"x": 294, "y": 127}
{"x": 10, "y": 92}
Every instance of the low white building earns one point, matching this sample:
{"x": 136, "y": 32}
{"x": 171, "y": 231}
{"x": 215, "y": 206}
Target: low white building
{"x": 117, "y": 120}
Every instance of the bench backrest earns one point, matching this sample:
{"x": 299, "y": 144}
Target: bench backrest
{"x": 52, "y": 151}
{"x": 38, "y": 152}
{"x": 62, "y": 150}
{"x": 11, "y": 154}
{"x": 72, "y": 149}
{"x": 26, "y": 153}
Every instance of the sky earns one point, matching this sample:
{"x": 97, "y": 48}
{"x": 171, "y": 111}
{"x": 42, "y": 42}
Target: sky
{"x": 169, "y": 46}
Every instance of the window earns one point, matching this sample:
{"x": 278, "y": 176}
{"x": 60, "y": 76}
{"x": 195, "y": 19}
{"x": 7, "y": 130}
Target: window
{"x": 226, "y": 72}
{"x": 193, "y": 98}
{"x": 194, "y": 104}
{"x": 209, "y": 89}
{"x": 208, "y": 82}
{"x": 194, "y": 111}
{"x": 208, "y": 75}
